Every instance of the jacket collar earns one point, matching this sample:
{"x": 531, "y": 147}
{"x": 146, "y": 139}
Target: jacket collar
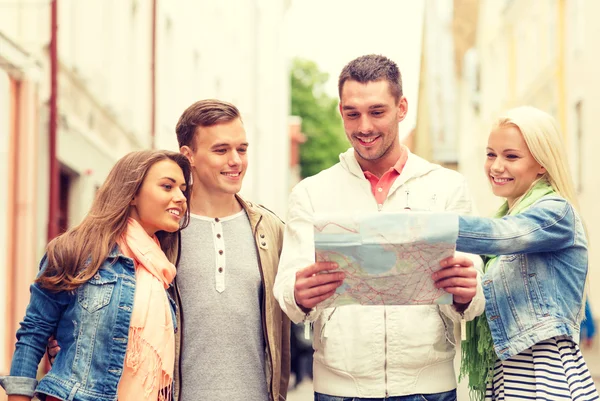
{"x": 115, "y": 252}
{"x": 415, "y": 166}
{"x": 253, "y": 212}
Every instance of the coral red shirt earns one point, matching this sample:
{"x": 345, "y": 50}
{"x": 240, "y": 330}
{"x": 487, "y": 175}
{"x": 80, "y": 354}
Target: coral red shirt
{"x": 381, "y": 186}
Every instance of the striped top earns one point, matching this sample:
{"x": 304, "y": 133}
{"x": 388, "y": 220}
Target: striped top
{"x": 553, "y": 369}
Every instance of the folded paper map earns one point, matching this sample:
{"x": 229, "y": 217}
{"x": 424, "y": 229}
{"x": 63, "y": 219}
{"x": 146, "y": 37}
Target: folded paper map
{"x": 388, "y": 258}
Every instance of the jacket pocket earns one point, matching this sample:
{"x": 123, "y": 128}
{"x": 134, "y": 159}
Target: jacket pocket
{"x": 96, "y": 293}
{"x": 491, "y": 307}
{"x": 339, "y": 340}
{"x": 537, "y": 296}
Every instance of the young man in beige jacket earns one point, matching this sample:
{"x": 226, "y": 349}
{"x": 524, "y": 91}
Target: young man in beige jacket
{"x": 232, "y": 337}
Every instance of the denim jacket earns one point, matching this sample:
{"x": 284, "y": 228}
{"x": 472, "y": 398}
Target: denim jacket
{"x": 91, "y": 325}
{"x": 533, "y": 291}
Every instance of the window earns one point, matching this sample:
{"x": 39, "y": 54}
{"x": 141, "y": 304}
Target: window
{"x": 63, "y": 204}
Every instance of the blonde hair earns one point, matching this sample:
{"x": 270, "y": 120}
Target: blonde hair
{"x": 546, "y": 144}
{"x": 543, "y": 138}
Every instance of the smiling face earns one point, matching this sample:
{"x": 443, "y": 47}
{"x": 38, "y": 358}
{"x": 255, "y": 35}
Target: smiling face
{"x": 219, "y": 160}
{"x": 510, "y": 166}
{"x": 160, "y": 202}
{"x": 371, "y": 116}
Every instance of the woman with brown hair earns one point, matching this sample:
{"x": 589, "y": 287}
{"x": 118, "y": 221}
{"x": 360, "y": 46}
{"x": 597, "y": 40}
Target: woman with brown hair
{"x": 101, "y": 291}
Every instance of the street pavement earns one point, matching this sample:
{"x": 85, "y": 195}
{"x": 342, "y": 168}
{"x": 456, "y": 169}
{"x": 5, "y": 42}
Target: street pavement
{"x": 304, "y": 392}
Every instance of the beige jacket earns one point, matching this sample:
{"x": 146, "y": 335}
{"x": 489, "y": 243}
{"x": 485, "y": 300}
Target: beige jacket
{"x": 268, "y": 235}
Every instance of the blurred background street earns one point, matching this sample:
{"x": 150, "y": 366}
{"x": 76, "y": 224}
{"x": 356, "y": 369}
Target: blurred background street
{"x": 82, "y": 82}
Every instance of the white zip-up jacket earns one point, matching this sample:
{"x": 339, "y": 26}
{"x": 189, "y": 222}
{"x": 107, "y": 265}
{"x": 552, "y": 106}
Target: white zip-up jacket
{"x": 374, "y": 351}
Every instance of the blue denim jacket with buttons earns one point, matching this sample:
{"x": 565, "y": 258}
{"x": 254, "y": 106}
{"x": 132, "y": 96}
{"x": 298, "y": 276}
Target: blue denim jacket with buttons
{"x": 91, "y": 325}
{"x": 533, "y": 291}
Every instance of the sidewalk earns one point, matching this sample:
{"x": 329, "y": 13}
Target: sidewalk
{"x": 304, "y": 392}
{"x": 592, "y": 358}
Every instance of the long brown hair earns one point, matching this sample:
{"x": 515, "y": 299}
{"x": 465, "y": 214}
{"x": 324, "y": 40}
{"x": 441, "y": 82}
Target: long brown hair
{"x": 76, "y": 256}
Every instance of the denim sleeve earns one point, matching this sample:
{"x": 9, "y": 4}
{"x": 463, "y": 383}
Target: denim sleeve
{"x": 546, "y": 226}
{"x": 41, "y": 318}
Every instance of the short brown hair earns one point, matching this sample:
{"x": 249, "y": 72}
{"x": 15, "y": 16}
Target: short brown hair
{"x": 204, "y": 113}
{"x": 370, "y": 68}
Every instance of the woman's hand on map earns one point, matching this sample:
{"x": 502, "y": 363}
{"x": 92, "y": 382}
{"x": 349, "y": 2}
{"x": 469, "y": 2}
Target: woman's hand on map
{"x": 458, "y": 277}
{"x": 315, "y": 283}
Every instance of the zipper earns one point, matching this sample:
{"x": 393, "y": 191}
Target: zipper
{"x": 449, "y": 331}
{"x": 264, "y": 310}
{"x": 433, "y": 202}
{"x": 385, "y": 351}
{"x": 325, "y": 323}
{"x": 306, "y": 324}
{"x": 180, "y": 311}
{"x": 172, "y": 302}
{"x": 180, "y": 328}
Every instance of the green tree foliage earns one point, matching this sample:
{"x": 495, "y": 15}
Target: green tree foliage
{"x": 321, "y": 122}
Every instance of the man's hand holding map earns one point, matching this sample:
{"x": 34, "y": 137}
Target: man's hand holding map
{"x": 387, "y": 258}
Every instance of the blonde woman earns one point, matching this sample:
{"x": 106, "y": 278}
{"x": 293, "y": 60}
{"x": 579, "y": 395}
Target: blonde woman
{"x": 101, "y": 291}
{"x": 525, "y": 344}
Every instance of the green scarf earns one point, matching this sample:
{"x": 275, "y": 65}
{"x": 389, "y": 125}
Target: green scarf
{"x": 478, "y": 355}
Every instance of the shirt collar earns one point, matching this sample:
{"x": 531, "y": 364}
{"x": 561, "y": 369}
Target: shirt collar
{"x": 398, "y": 166}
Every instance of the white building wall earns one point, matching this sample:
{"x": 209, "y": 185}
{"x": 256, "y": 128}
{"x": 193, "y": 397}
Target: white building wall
{"x": 233, "y": 53}
{"x": 271, "y": 174}
{"x": 204, "y": 49}
{"x": 530, "y": 31}
{"x": 4, "y": 177}
{"x": 583, "y": 89}
{"x": 515, "y": 56}
{"x": 476, "y": 111}
{"x": 112, "y": 64}
{"x": 441, "y": 83}
{"x": 17, "y": 61}
{"x": 473, "y": 136}
{"x": 228, "y": 49}
{"x": 104, "y": 90}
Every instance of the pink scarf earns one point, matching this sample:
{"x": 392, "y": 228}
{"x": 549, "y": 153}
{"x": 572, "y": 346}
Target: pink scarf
{"x": 150, "y": 358}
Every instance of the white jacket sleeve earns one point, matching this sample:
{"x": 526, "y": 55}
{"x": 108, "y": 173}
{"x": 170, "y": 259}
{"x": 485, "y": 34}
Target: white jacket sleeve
{"x": 298, "y": 252}
{"x": 477, "y": 304}
{"x": 460, "y": 201}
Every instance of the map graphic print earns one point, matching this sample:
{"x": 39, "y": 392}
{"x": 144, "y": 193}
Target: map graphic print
{"x": 388, "y": 258}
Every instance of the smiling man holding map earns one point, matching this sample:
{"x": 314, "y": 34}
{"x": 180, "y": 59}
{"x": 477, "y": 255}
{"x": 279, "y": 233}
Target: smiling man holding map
{"x": 391, "y": 338}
